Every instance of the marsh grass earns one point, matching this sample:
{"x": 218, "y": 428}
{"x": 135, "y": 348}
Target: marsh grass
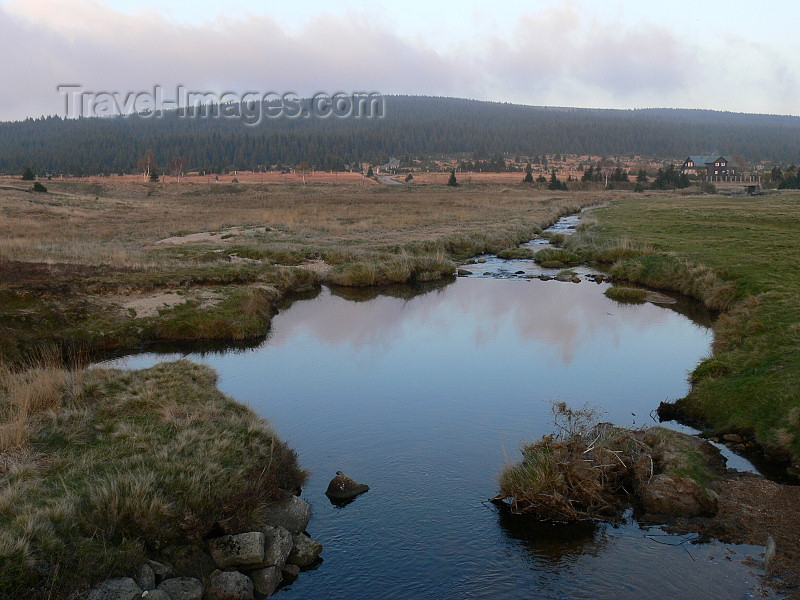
{"x": 97, "y": 245}
{"x": 515, "y": 253}
{"x": 626, "y": 294}
{"x": 588, "y": 470}
{"x": 556, "y": 258}
{"x": 581, "y": 472}
{"x": 115, "y": 465}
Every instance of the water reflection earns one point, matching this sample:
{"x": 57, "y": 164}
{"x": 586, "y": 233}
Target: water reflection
{"x": 421, "y": 396}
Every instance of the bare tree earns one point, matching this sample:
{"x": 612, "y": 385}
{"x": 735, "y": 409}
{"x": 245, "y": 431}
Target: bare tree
{"x": 302, "y": 169}
{"x": 177, "y": 167}
{"x": 146, "y": 164}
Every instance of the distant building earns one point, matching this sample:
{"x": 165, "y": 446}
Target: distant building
{"x": 391, "y": 166}
{"x": 714, "y": 166}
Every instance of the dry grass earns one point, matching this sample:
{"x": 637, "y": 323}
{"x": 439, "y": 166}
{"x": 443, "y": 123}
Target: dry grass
{"x": 67, "y": 257}
{"x": 589, "y": 470}
{"x": 581, "y": 472}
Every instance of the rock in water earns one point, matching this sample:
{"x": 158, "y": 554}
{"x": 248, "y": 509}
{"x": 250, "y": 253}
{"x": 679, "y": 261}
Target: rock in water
{"x": 769, "y": 551}
{"x": 304, "y": 550}
{"x": 342, "y": 487}
{"x": 266, "y": 580}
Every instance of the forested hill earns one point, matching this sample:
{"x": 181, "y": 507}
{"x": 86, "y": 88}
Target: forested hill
{"x": 412, "y": 127}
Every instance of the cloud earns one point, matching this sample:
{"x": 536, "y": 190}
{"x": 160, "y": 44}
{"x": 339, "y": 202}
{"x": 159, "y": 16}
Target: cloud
{"x": 555, "y": 56}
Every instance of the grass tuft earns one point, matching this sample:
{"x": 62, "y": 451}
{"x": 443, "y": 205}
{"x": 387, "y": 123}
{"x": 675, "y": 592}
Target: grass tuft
{"x": 626, "y": 294}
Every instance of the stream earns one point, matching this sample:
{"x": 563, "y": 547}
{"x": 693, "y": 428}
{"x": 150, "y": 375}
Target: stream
{"x": 424, "y": 394}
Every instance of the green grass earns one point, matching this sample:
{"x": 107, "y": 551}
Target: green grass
{"x": 111, "y": 466}
{"x": 626, "y": 294}
{"x": 738, "y": 255}
{"x": 556, "y": 258}
{"x": 515, "y": 253}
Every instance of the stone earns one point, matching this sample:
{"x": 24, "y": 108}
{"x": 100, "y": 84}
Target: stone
{"x": 144, "y": 577}
{"x": 229, "y": 585}
{"x": 733, "y": 438}
{"x": 463, "y": 272}
{"x": 342, "y": 487}
{"x": 576, "y": 279}
{"x": 304, "y": 550}
{"x": 182, "y": 588}
{"x": 277, "y": 545}
{"x": 161, "y": 571}
{"x": 481, "y": 260}
{"x": 293, "y": 514}
{"x": 266, "y": 580}
{"x": 120, "y": 588}
{"x": 769, "y": 551}
{"x": 190, "y": 561}
{"x": 290, "y": 571}
{"x": 155, "y": 595}
{"x": 678, "y": 496}
{"x": 241, "y": 550}
{"x": 519, "y": 272}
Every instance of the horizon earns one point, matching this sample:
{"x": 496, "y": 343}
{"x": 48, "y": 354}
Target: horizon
{"x": 559, "y": 54}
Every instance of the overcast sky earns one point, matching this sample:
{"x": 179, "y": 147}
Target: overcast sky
{"x": 730, "y": 55}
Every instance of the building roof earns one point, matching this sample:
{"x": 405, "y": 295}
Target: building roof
{"x": 699, "y": 159}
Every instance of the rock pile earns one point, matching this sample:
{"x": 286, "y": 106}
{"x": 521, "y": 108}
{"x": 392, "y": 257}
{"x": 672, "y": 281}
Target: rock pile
{"x": 243, "y": 566}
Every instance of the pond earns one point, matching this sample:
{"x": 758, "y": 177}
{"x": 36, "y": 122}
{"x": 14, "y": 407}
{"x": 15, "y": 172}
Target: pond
{"x": 424, "y": 394}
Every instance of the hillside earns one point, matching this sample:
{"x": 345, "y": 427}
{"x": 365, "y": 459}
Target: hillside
{"x": 412, "y": 128}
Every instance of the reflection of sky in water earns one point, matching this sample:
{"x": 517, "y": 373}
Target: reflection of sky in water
{"x": 422, "y": 397}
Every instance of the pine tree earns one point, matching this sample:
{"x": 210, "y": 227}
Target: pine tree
{"x": 27, "y": 174}
{"x": 452, "y": 182}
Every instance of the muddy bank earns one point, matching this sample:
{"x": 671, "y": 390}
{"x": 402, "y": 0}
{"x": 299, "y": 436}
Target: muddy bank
{"x": 753, "y": 510}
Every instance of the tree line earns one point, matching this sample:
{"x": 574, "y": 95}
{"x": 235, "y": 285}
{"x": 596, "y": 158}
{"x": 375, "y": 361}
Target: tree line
{"x": 412, "y": 127}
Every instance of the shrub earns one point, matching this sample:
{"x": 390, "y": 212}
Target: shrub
{"x": 38, "y": 187}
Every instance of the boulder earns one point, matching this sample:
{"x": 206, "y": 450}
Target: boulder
{"x": 464, "y": 272}
{"x": 677, "y": 496}
{"x": 189, "y": 561}
{"x": 241, "y": 550}
{"x": 182, "y": 588}
{"x": 290, "y": 571}
{"x": 160, "y": 570}
{"x": 145, "y": 577}
{"x": 155, "y": 595}
{"x": 733, "y": 438}
{"x": 266, "y": 580}
{"x": 342, "y": 487}
{"x": 304, "y": 550}
{"x": 293, "y": 514}
{"x": 121, "y": 588}
{"x": 229, "y": 585}
{"x": 277, "y": 545}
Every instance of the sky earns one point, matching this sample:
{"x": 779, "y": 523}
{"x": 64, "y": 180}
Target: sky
{"x": 733, "y": 55}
